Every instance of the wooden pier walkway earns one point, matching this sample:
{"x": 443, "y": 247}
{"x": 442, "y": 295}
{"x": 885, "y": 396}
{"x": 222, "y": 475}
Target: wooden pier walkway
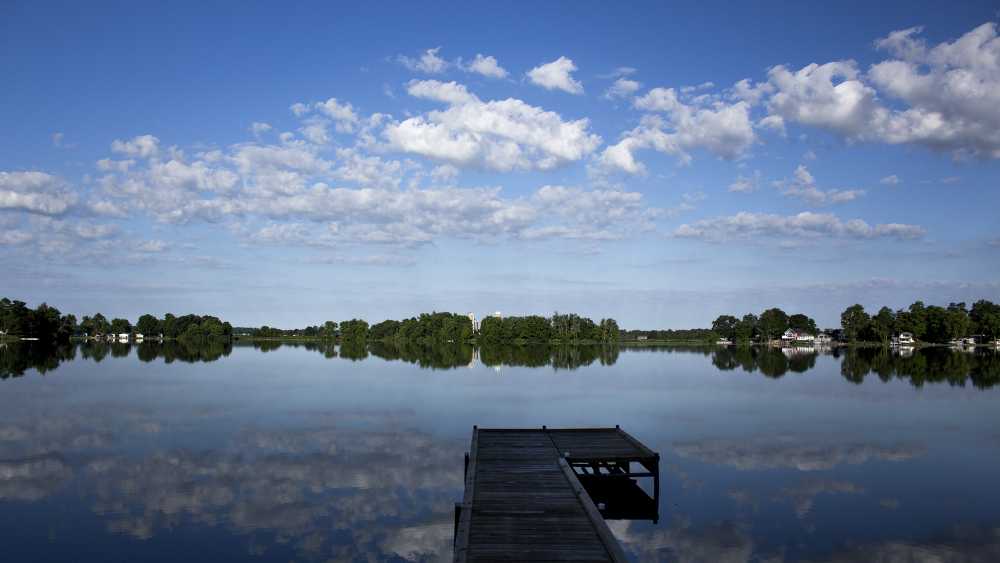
{"x": 526, "y": 500}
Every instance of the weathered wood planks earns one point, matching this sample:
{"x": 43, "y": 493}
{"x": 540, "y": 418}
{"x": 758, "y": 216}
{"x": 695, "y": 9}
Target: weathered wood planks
{"x": 524, "y": 502}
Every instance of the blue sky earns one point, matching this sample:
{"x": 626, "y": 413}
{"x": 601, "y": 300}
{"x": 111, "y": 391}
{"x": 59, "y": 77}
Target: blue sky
{"x": 659, "y": 164}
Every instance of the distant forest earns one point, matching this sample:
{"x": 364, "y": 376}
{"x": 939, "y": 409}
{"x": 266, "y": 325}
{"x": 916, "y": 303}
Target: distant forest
{"x": 931, "y": 324}
{"x": 928, "y": 324}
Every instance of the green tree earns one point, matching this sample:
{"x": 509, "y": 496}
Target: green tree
{"x": 772, "y": 323}
{"x": 725, "y": 326}
{"x": 854, "y": 320}
{"x": 985, "y": 316}
{"x": 120, "y": 326}
{"x": 148, "y": 325}
{"x": 802, "y": 323}
{"x": 354, "y": 330}
{"x": 329, "y": 329}
{"x": 883, "y": 324}
{"x": 746, "y": 328}
{"x": 609, "y": 330}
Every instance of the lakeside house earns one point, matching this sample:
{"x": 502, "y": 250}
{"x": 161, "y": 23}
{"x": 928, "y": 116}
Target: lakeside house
{"x": 904, "y": 339}
{"x": 123, "y": 337}
{"x": 824, "y": 339}
{"x": 138, "y": 337}
{"x": 641, "y": 338}
{"x": 723, "y": 342}
{"x": 794, "y": 336}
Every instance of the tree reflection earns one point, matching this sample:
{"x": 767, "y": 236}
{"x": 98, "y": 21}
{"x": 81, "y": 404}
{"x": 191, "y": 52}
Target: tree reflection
{"x": 926, "y": 365}
{"x": 441, "y": 356}
{"x": 18, "y": 357}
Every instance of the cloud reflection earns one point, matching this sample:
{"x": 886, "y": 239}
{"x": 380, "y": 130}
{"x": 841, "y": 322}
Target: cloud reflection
{"x": 791, "y": 452}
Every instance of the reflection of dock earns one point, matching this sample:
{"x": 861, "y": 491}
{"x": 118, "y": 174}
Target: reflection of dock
{"x": 543, "y": 494}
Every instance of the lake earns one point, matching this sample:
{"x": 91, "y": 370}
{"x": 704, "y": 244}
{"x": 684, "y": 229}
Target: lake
{"x": 315, "y": 452}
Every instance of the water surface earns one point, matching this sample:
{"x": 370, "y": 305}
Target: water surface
{"x": 322, "y": 453}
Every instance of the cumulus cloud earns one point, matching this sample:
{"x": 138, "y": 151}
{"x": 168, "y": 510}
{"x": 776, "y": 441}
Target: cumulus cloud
{"x": 622, "y": 88}
{"x": 948, "y": 94}
{"x": 143, "y": 146}
{"x": 724, "y": 129}
{"x": 806, "y": 225}
{"x": 35, "y": 192}
{"x": 500, "y": 135}
{"x": 891, "y": 180}
{"x": 746, "y": 184}
{"x": 803, "y": 186}
{"x": 486, "y": 66}
{"x": 259, "y": 128}
{"x": 429, "y": 62}
{"x": 342, "y": 115}
{"x": 831, "y": 96}
{"x": 556, "y": 75}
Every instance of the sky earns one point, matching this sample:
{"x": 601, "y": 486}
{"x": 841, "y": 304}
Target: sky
{"x": 657, "y": 163}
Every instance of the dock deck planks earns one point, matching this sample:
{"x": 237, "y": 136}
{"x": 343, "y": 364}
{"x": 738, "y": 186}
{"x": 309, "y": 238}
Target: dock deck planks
{"x": 524, "y": 502}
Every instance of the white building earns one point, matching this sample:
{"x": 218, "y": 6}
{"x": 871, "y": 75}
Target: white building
{"x": 475, "y": 324}
{"x": 792, "y": 335}
{"x": 123, "y": 337}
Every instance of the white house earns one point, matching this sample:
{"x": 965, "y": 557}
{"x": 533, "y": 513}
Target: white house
{"x": 123, "y": 337}
{"x": 905, "y": 339}
{"x": 792, "y": 335}
{"x": 138, "y": 337}
{"x": 824, "y": 339}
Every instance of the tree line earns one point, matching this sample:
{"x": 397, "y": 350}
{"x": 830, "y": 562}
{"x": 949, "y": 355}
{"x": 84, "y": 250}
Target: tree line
{"x": 42, "y": 322}
{"x": 765, "y": 327}
{"x": 47, "y": 323}
{"x": 927, "y": 323}
{"x": 441, "y": 327}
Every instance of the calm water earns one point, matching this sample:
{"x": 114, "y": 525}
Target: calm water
{"x": 278, "y": 453}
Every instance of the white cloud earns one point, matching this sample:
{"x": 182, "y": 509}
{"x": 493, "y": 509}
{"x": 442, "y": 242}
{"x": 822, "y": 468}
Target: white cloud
{"x": 57, "y": 139}
{"x": 949, "y": 94}
{"x": 500, "y": 135}
{"x": 486, "y": 66}
{"x": 891, "y": 180}
{"x": 806, "y": 225}
{"x": 622, "y": 88}
{"x": 151, "y": 246}
{"x": 143, "y": 146}
{"x": 556, "y": 75}
{"x": 447, "y": 92}
{"x": 316, "y": 131}
{"x": 35, "y": 192}
{"x": 429, "y": 62}
{"x": 11, "y": 237}
{"x": 258, "y": 128}
{"x": 619, "y": 72}
{"x": 320, "y": 114}
{"x": 342, "y": 113}
{"x": 723, "y": 129}
{"x": 445, "y": 173}
{"x": 745, "y": 90}
{"x": 830, "y": 96}
{"x": 289, "y": 188}
{"x": 746, "y": 184}
{"x": 803, "y": 186}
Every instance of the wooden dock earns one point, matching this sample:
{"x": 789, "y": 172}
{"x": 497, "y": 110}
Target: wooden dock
{"x": 528, "y": 494}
